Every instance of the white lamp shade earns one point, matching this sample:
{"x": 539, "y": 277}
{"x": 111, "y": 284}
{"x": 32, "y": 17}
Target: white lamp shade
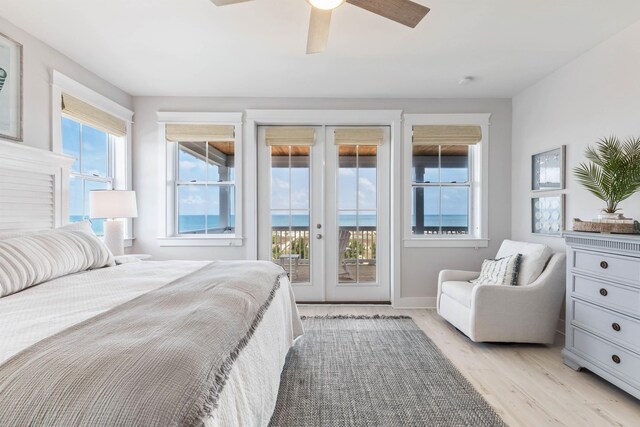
{"x": 112, "y": 204}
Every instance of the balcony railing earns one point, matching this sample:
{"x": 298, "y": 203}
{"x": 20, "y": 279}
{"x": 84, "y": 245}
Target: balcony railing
{"x": 446, "y": 230}
{"x": 295, "y": 241}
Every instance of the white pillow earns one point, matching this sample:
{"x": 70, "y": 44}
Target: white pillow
{"x": 534, "y": 258}
{"x": 84, "y": 226}
{"x": 501, "y": 271}
{"x": 30, "y": 260}
{"x": 4, "y": 235}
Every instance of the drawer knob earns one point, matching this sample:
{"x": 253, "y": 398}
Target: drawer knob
{"x": 615, "y": 358}
{"x": 604, "y": 292}
{"x": 616, "y": 327}
{"x": 604, "y": 265}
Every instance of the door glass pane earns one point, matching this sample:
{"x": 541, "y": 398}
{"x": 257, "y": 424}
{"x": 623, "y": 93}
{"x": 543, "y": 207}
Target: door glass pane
{"x": 290, "y": 210}
{"x": 357, "y": 213}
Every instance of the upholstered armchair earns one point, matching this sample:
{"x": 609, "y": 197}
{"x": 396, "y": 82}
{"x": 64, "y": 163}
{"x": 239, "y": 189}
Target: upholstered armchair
{"x": 527, "y": 313}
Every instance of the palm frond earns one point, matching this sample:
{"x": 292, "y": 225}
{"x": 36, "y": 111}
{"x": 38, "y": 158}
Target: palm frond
{"x": 613, "y": 171}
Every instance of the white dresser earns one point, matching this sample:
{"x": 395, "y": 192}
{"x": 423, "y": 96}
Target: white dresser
{"x": 603, "y": 307}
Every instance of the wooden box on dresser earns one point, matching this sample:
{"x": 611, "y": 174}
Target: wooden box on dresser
{"x": 603, "y": 307}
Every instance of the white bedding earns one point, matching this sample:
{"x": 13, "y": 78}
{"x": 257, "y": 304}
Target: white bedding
{"x": 250, "y": 394}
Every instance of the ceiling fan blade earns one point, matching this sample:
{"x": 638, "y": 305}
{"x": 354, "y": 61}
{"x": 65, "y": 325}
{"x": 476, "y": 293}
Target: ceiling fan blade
{"x": 405, "y": 12}
{"x": 318, "y": 30}
{"x": 226, "y": 2}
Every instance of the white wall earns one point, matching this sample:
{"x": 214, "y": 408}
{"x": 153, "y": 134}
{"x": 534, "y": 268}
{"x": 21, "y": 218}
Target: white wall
{"x": 420, "y": 267}
{"x": 38, "y": 61}
{"x": 595, "y": 96}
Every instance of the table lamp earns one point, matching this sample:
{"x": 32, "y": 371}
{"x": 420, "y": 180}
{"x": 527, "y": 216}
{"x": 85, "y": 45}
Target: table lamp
{"x": 113, "y": 205}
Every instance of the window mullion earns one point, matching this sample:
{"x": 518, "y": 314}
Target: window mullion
{"x": 80, "y": 161}
{"x": 440, "y": 185}
{"x": 206, "y": 189}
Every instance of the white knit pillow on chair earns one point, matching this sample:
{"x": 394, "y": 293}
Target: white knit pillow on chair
{"x": 501, "y": 271}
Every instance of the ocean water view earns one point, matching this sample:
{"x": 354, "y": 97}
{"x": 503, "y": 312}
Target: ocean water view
{"x": 191, "y": 223}
{"x": 194, "y": 223}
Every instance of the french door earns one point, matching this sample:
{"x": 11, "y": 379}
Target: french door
{"x": 323, "y": 210}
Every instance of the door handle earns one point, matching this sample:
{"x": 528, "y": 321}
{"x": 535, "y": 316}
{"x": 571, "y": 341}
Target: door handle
{"x": 318, "y": 236}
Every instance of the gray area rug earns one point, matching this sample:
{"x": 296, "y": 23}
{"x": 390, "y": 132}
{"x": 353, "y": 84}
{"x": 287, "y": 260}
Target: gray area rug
{"x": 374, "y": 371}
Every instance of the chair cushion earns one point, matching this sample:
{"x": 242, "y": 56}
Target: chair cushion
{"x": 458, "y": 291}
{"x": 534, "y": 258}
{"x": 501, "y": 271}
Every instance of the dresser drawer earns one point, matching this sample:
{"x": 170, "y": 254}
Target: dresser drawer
{"x": 608, "y": 266}
{"x": 607, "y": 324}
{"x": 622, "y": 363}
{"x": 607, "y": 294}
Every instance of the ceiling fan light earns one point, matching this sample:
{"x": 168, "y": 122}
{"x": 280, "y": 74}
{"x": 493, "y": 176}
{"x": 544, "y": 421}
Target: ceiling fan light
{"x": 326, "y": 4}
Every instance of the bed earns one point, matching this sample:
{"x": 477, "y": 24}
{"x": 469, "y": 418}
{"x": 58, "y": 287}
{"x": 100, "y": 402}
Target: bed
{"x": 69, "y": 346}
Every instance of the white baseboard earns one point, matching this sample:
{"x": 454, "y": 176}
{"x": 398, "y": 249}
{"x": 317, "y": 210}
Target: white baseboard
{"x": 415, "y": 302}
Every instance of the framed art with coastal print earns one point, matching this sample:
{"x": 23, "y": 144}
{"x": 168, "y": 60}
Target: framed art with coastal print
{"x": 10, "y": 89}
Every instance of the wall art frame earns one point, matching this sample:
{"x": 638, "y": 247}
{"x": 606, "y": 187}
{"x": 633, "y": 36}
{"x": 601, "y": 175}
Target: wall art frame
{"x": 548, "y": 214}
{"x": 11, "y": 89}
{"x": 548, "y": 170}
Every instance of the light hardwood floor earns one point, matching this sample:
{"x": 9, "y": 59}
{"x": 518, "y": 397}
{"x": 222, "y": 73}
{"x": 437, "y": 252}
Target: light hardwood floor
{"x": 528, "y": 385}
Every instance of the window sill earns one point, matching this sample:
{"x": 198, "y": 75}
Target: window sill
{"x": 200, "y": 241}
{"x": 439, "y": 242}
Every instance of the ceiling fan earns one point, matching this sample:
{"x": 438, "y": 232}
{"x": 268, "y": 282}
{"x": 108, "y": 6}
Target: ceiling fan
{"x": 405, "y": 12}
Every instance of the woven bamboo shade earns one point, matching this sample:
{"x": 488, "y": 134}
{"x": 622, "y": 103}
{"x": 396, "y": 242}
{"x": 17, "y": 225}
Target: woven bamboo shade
{"x": 199, "y": 132}
{"x": 447, "y": 135}
{"x": 92, "y": 116}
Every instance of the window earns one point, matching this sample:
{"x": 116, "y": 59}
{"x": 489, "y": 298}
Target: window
{"x": 98, "y": 141}
{"x": 205, "y": 188}
{"x": 446, "y": 174}
{"x": 441, "y": 189}
{"x": 203, "y": 179}
{"x": 92, "y": 169}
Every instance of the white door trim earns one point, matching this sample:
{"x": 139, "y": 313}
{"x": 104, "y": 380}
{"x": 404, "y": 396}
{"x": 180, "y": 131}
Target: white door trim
{"x": 314, "y": 291}
{"x": 380, "y": 291}
{"x": 392, "y": 118}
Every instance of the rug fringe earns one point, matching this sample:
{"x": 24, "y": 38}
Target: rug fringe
{"x": 353, "y": 316}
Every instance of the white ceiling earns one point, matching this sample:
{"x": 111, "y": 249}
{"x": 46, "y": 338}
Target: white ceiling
{"x": 191, "y": 47}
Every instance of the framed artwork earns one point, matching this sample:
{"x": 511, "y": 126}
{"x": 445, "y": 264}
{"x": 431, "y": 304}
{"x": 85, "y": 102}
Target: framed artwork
{"x": 10, "y": 89}
{"x": 547, "y": 215}
{"x": 547, "y": 170}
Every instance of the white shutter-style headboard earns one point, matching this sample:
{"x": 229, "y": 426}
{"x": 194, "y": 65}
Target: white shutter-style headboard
{"x": 33, "y": 187}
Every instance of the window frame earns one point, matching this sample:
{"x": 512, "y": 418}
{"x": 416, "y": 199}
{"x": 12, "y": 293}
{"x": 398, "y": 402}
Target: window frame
{"x": 168, "y": 226}
{"x": 121, "y": 165}
{"x": 478, "y": 183}
{"x": 109, "y": 178}
{"x": 468, "y": 184}
{"x": 182, "y": 183}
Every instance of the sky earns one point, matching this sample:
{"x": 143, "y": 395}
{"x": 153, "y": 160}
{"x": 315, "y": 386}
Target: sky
{"x": 353, "y": 185}
{"x": 94, "y": 161}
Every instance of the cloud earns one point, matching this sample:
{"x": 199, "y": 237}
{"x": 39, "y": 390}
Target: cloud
{"x": 188, "y": 165}
{"x": 193, "y": 199}
{"x": 367, "y": 194}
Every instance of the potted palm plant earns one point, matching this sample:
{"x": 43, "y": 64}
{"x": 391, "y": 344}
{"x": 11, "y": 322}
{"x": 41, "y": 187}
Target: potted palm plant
{"x": 612, "y": 173}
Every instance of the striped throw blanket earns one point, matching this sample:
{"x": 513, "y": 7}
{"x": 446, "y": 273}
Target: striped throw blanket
{"x": 161, "y": 359}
